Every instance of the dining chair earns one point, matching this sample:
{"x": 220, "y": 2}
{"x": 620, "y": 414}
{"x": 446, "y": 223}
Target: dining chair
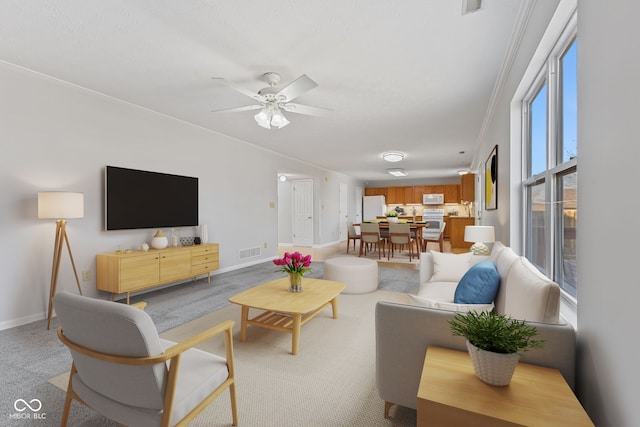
{"x": 431, "y": 235}
{"x": 353, "y": 235}
{"x": 370, "y": 235}
{"x": 122, "y": 369}
{"x": 400, "y": 235}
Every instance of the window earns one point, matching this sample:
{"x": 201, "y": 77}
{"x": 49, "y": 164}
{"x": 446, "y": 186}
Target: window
{"x": 550, "y": 166}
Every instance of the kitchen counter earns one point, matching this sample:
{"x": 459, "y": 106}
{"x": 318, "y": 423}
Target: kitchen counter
{"x": 457, "y": 224}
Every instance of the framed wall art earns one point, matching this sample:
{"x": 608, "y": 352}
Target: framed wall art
{"x": 491, "y": 180}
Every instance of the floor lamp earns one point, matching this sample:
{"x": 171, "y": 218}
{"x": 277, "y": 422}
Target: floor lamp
{"x": 60, "y": 205}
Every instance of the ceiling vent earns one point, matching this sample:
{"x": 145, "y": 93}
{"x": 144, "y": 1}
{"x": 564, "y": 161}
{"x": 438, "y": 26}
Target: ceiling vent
{"x": 470, "y": 6}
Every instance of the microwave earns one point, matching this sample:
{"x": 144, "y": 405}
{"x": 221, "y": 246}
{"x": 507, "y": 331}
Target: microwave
{"x": 433, "y": 199}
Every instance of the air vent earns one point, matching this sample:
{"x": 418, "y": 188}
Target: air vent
{"x": 470, "y": 6}
{"x": 249, "y": 253}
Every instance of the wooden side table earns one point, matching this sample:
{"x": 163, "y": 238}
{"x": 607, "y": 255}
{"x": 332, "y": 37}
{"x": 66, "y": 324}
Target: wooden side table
{"x": 450, "y": 394}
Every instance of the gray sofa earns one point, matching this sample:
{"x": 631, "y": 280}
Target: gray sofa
{"x": 404, "y": 331}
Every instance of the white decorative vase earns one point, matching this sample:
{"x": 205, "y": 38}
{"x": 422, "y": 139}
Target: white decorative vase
{"x": 159, "y": 242}
{"x": 392, "y": 219}
{"x": 204, "y": 234}
{"x": 493, "y": 368}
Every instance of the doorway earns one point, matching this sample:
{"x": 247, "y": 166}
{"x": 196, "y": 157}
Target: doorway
{"x": 302, "y": 199}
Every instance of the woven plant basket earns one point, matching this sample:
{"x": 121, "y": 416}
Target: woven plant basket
{"x": 493, "y": 368}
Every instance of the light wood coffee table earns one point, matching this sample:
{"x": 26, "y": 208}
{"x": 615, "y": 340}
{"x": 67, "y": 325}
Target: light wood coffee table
{"x": 287, "y": 311}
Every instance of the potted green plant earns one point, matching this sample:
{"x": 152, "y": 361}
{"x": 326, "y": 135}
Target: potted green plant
{"x": 392, "y": 216}
{"x": 495, "y": 343}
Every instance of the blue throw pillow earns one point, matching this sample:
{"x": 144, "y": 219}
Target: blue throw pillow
{"x": 479, "y": 285}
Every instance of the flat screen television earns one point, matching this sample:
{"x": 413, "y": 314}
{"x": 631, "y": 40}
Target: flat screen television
{"x": 143, "y": 199}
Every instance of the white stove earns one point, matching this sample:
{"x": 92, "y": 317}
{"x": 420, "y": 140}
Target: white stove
{"x": 434, "y": 216}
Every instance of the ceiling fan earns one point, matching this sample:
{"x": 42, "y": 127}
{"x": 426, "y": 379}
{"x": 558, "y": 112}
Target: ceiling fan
{"x": 272, "y": 101}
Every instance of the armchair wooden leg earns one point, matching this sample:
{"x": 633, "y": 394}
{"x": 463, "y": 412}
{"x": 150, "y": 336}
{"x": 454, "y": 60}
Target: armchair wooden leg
{"x": 234, "y": 408}
{"x": 69, "y": 397}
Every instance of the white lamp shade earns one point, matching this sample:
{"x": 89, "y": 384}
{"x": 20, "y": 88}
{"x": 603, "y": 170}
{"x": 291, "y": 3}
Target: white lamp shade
{"x": 479, "y": 233}
{"x": 60, "y": 204}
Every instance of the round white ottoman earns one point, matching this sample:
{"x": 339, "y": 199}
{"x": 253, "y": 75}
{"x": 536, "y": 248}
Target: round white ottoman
{"x": 360, "y": 274}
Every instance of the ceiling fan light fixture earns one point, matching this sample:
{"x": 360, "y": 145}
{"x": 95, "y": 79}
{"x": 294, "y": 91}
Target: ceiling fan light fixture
{"x": 393, "y": 156}
{"x": 264, "y": 118}
{"x": 278, "y": 119}
{"x": 397, "y": 172}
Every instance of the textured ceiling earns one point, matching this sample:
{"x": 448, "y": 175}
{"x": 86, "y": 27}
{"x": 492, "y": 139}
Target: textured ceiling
{"x": 412, "y": 76}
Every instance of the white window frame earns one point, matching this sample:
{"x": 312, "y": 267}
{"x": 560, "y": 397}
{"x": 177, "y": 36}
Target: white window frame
{"x": 560, "y": 33}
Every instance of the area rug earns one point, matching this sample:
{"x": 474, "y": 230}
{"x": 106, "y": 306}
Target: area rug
{"x": 330, "y": 382}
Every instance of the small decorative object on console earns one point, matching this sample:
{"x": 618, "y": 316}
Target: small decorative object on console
{"x": 159, "y": 241}
{"x": 295, "y": 265}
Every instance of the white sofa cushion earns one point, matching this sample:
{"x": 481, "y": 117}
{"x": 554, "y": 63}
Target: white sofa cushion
{"x": 496, "y": 249}
{"x": 448, "y": 267}
{"x": 530, "y": 295}
{"x": 449, "y": 306}
{"x": 440, "y": 295}
{"x": 504, "y": 260}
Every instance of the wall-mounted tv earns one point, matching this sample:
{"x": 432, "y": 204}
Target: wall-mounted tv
{"x": 143, "y": 199}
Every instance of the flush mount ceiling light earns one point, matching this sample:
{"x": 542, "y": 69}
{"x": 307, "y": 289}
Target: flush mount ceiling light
{"x": 393, "y": 156}
{"x": 397, "y": 172}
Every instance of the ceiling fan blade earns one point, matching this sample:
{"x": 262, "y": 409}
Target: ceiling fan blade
{"x": 296, "y": 88}
{"x": 292, "y": 107}
{"x": 242, "y": 90}
{"x": 235, "y": 110}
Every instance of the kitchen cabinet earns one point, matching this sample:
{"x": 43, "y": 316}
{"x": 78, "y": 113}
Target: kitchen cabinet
{"x": 418, "y": 191}
{"x": 130, "y": 271}
{"x": 413, "y": 194}
{"x": 410, "y": 196}
{"x": 447, "y": 228}
{"x": 375, "y": 192}
{"x": 451, "y": 194}
{"x": 468, "y": 187}
{"x": 395, "y": 196}
{"x": 457, "y": 224}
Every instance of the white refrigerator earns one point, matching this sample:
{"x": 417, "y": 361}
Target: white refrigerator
{"x": 373, "y": 206}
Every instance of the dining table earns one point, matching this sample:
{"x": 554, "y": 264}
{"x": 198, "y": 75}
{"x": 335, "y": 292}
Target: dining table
{"x": 415, "y": 227}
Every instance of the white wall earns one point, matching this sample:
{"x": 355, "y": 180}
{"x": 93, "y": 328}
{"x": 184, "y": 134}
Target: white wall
{"x": 59, "y": 137}
{"x": 608, "y": 153}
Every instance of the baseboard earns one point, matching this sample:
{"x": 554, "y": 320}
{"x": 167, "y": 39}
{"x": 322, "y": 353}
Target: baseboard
{"x": 8, "y": 324}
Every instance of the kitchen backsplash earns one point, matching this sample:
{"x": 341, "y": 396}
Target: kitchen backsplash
{"x": 450, "y": 209}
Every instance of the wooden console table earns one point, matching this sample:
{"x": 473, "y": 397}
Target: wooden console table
{"x": 450, "y": 394}
{"x": 130, "y": 271}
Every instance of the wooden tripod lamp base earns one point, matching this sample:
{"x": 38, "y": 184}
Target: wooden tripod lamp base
{"x": 57, "y": 205}
{"x": 61, "y": 237}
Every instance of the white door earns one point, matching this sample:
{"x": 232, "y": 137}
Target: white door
{"x": 303, "y": 212}
{"x": 358, "y": 205}
{"x": 344, "y": 213}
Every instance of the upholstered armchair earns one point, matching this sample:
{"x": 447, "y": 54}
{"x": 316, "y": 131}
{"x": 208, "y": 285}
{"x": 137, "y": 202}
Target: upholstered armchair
{"x": 122, "y": 369}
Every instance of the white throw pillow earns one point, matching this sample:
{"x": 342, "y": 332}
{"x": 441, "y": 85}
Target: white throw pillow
{"x": 449, "y": 306}
{"x": 448, "y": 267}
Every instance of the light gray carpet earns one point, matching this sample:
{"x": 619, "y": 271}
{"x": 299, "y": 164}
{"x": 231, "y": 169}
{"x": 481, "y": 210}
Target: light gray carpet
{"x": 30, "y": 354}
